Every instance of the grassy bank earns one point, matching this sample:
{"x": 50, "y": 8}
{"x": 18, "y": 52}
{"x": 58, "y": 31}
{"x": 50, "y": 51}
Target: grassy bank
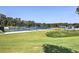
{"x": 34, "y": 41}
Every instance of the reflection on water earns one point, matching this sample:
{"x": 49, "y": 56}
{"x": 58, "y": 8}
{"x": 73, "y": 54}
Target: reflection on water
{"x": 25, "y": 28}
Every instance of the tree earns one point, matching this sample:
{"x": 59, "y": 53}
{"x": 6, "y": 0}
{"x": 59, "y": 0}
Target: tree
{"x": 8, "y": 21}
{"x": 2, "y": 19}
{"x": 77, "y": 10}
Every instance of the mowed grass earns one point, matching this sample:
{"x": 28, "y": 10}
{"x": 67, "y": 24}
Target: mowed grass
{"x": 31, "y": 42}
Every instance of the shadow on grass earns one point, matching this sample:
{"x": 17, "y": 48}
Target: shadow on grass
{"x": 57, "y": 49}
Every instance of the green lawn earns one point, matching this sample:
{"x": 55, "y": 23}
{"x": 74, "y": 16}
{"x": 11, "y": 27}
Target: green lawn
{"x": 33, "y": 41}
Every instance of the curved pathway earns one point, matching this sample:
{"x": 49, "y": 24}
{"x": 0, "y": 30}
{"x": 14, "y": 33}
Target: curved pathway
{"x": 26, "y": 31}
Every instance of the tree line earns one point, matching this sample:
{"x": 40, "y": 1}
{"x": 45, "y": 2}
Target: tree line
{"x": 10, "y": 21}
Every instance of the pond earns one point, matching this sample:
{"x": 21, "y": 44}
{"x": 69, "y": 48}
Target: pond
{"x": 23, "y": 28}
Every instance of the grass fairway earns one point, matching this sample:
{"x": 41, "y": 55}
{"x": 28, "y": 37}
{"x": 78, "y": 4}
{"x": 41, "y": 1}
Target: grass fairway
{"x": 32, "y": 42}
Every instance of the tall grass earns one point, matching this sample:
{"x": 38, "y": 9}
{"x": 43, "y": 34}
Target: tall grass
{"x": 64, "y": 33}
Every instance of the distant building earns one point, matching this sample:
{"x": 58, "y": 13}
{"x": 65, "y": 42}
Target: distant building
{"x": 62, "y": 26}
{"x": 69, "y": 27}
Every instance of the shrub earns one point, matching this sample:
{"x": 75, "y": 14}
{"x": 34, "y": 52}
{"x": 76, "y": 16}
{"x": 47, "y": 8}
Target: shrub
{"x": 48, "y": 48}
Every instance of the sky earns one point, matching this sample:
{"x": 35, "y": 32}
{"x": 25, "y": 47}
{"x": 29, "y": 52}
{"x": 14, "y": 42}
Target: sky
{"x": 42, "y": 14}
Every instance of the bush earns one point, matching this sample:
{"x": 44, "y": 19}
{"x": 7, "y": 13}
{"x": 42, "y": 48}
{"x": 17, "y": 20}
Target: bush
{"x": 48, "y": 48}
{"x": 65, "y": 33}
